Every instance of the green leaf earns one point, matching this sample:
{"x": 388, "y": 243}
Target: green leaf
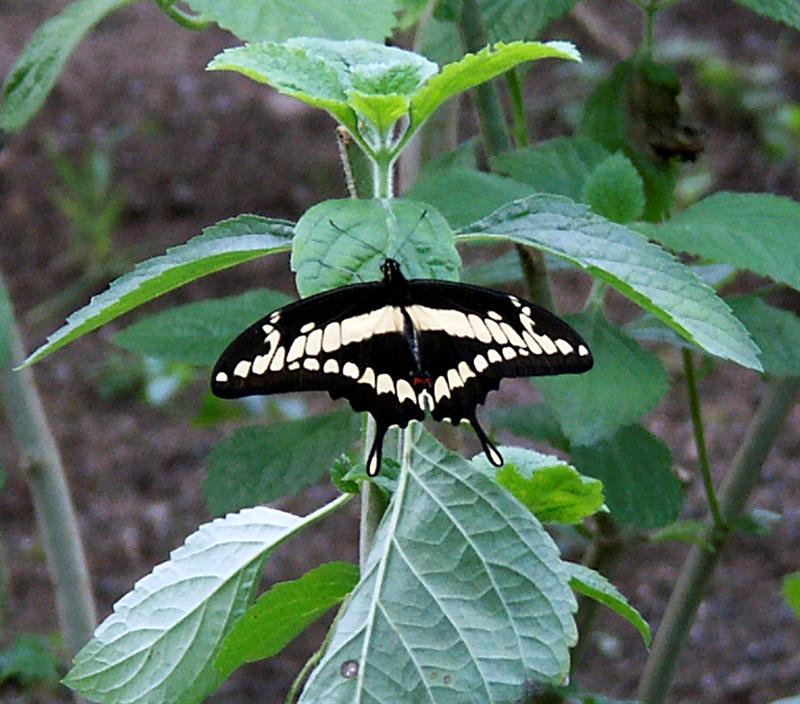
{"x": 340, "y": 77}
{"x": 498, "y": 272}
{"x": 463, "y": 597}
{"x": 282, "y": 613}
{"x": 38, "y": 67}
{"x": 341, "y": 241}
{"x": 475, "y": 69}
{"x": 615, "y": 190}
{"x": 689, "y": 531}
{"x": 625, "y": 383}
{"x": 548, "y": 487}
{"x": 756, "y": 231}
{"x": 29, "y": 661}
{"x": 640, "y": 270}
{"x": 791, "y": 591}
{"x": 162, "y": 638}
{"x": 786, "y": 11}
{"x": 521, "y": 19}
{"x": 591, "y": 583}
{"x": 531, "y": 421}
{"x": 636, "y": 470}
{"x": 465, "y": 195}
{"x": 787, "y": 700}
{"x": 277, "y": 20}
{"x": 560, "y": 166}
{"x": 197, "y": 333}
{"x": 259, "y": 464}
{"x": 775, "y": 331}
{"x": 6, "y": 326}
{"x": 225, "y": 244}
{"x": 757, "y": 521}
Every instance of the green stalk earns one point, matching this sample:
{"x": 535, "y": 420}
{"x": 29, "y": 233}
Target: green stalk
{"x": 55, "y": 514}
{"x": 745, "y": 469}
{"x": 700, "y": 441}
{"x": 184, "y": 19}
{"x": 517, "y": 108}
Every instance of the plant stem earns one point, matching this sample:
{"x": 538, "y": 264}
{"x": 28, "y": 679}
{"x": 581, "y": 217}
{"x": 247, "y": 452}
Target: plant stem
{"x": 193, "y": 22}
{"x": 700, "y": 440}
{"x": 745, "y": 469}
{"x": 55, "y": 514}
{"x": 650, "y": 9}
{"x": 517, "y": 108}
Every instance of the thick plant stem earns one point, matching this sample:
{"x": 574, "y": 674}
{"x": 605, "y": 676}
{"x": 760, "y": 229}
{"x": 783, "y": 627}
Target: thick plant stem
{"x": 697, "y": 570}
{"x": 55, "y": 515}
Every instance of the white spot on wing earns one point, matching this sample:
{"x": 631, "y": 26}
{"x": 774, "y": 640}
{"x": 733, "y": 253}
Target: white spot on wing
{"x": 426, "y": 402}
{"x": 350, "y": 370}
{"x": 267, "y": 329}
{"x": 440, "y": 389}
{"x": 454, "y": 322}
{"x": 509, "y": 352}
{"x": 308, "y": 327}
{"x": 495, "y": 315}
{"x": 465, "y": 371}
{"x": 564, "y": 346}
{"x": 221, "y": 377}
{"x": 261, "y": 362}
{"x": 242, "y": 369}
{"x": 546, "y": 344}
{"x": 311, "y": 364}
{"x": 497, "y": 333}
{"x": 405, "y": 391}
{"x": 453, "y": 379}
{"x": 494, "y": 456}
{"x": 494, "y": 356}
{"x": 512, "y": 335}
{"x": 481, "y": 331}
{"x": 314, "y": 343}
{"x": 582, "y": 351}
{"x": 332, "y": 367}
{"x": 480, "y": 363}
{"x": 384, "y": 384}
{"x": 368, "y": 377}
{"x": 277, "y": 361}
{"x": 294, "y": 366}
{"x": 296, "y": 350}
{"x": 332, "y": 337}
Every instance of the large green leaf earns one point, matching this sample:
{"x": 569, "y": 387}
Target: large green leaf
{"x": 756, "y": 231}
{"x": 615, "y": 190}
{"x": 775, "y": 331}
{"x": 640, "y": 270}
{"x": 465, "y": 195}
{"x": 591, "y": 583}
{"x": 475, "y": 69}
{"x": 223, "y": 245}
{"x": 277, "y": 20}
{"x": 786, "y": 11}
{"x": 535, "y": 421}
{"x": 560, "y": 166}
{"x": 636, "y": 470}
{"x": 260, "y": 464}
{"x": 507, "y": 20}
{"x": 463, "y": 597}
{"x": 197, "y": 333}
{"x": 284, "y": 612}
{"x": 162, "y": 638}
{"x": 341, "y": 241}
{"x": 551, "y": 489}
{"x": 38, "y": 67}
{"x": 625, "y": 383}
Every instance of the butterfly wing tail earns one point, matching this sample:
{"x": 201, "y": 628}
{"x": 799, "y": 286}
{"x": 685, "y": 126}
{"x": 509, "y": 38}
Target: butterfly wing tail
{"x": 491, "y": 452}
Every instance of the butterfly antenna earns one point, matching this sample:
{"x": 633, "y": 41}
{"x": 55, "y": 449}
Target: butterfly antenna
{"x": 341, "y": 270}
{"x": 349, "y": 234}
{"x": 405, "y": 240}
{"x": 491, "y": 452}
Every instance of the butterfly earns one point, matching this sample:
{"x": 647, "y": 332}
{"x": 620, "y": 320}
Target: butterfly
{"x": 398, "y": 348}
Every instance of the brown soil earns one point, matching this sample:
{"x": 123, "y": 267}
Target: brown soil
{"x": 205, "y": 146}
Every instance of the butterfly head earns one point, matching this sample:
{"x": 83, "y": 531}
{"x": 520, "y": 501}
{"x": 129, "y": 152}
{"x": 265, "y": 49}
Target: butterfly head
{"x": 391, "y": 271}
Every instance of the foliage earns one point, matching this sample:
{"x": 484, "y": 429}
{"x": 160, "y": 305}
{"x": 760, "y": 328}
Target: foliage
{"x": 30, "y": 661}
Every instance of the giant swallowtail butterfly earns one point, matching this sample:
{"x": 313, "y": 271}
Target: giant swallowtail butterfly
{"x": 397, "y": 348}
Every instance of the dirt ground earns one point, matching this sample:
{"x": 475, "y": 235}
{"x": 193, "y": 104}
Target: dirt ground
{"x": 205, "y": 146}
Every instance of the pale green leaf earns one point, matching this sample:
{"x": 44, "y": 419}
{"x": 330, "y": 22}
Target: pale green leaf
{"x": 636, "y": 470}
{"x": 689, "y": 531}
{"x": 775, "y": 331}
{"x": 474, "y": 69}
{"x": 223, "y": 245}
{"x": 508, "y": 20}
{"x": 786, "y": 11}
{"x": 788, "y": 700}
{"x": 465, "y": 195}
{"x": 640, "y": 270}
{"x": 161, "y": 640}
{"x": 342, "y": 241}
{"x": 615, "y": 190}
{"x": 260, "y": 464}
{"x": 197, "y": 333}
{"x": 548, "y": 487}
{"x": 560, "y": 166}
{"x": 277, "y": 20}
{"x": 463, "y": 597}
{"x": 282, "y": 613}
{"x": 38, "y": 67}
{"x": 791, "y": 591}
{"x": 591, "y": 583}
{"x": 756, "y": 231}
{"x": 625, "y": 383}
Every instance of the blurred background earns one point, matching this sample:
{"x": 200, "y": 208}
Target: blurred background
{"x": 138, "y": 149}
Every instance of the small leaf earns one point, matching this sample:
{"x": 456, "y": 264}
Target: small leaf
{"x": 625, "y": 383}
{"x": 282, "y": 613}
{"x": 162, "y": 638}
{"x": 590, "y": 583}
{"x": 465, "y": 195}
{"x": 756, "y": 231}
{"x": 277, "y": 20}
{"x": 548, "y": 487}
{"x": 689, "y": 531}
{"x": 560, "y": 166}
{"x": 636, "y": 470}
{"x": 463, "y": 597}
{"x": 615, "y": 190}
{"x": 259, "y": 464}
{"x": 197, "y": 333}
{"x": 341, "y": 241}
{"x": 29, "y": 661}
{"x": 640, "y": 270}
{"x": 791, "y": 591}
{"x": 475, "y": 69}
{"x": 225, "y": 244}
{"x": 339, "y": 475}
{"x": 38, "y": 67}
{"x": 775, "y": 331}
{"x": 757, "y": 521}
{"x": 786, "y": 11}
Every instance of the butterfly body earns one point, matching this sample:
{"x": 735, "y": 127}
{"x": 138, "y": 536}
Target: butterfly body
{"x": 398, "y": 348}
